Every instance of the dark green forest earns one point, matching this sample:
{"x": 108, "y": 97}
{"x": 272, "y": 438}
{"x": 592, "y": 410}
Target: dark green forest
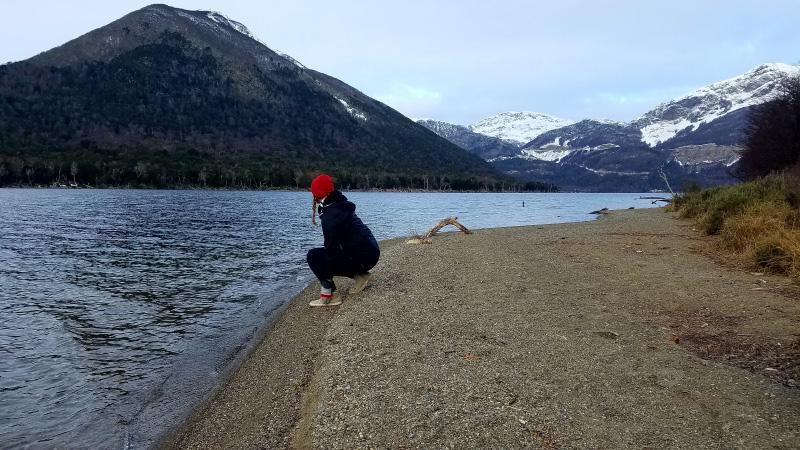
{"x": 170, "y": 115}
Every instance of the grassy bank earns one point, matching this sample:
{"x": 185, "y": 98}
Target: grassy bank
{"x": 759, "y": 220}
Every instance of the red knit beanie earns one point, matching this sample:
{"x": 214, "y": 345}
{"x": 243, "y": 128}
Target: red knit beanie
{"x": 322, "y": 186}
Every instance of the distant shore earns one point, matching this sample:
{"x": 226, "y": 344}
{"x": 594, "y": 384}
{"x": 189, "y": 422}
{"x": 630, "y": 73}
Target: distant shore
{"x": 614, "y": 333}
{"x": 283, "y": 189}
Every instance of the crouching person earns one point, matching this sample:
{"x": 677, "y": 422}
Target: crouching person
{"x": 350, "y": 248}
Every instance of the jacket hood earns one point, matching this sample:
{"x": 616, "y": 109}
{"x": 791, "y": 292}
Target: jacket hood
{"x": 337, "y": 198}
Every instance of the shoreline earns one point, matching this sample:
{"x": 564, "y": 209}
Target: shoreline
{"x": 293, "y": 319}
{"x": 175, "y": 430}
{"x": 278, "y": 189}
{"x": 295, "y": 390}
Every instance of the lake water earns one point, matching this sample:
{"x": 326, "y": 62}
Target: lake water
{"x": 120, "y": 309}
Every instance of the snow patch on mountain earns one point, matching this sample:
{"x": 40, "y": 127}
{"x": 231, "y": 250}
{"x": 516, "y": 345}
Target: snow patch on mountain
{"x": 291, "y": 60}
{"x": 554, "y": 154}
{"x": 611, "y": 122}
{"x": 444, "y": 129}
{"x": 518, "y": 127}
{"x": 228, "y": 22}
{"x": 713, "y": 101}
{"x": 215, "y": 21}
{"x": 556, "y": 142}
{"x": 353, "y": 111}
{"x": 658, "y": 132}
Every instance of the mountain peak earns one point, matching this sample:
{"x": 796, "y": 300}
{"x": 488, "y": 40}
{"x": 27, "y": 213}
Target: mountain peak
{"x": 791, "y": 69}
{"x": 150, "y": 24}
{"x": 518, "y": 127}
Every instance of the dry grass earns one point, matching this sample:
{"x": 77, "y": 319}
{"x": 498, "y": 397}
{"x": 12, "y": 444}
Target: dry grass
{"x": 759, "y": 220}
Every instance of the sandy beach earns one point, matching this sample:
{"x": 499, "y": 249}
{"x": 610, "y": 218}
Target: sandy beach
{"x": 617, "y": 333}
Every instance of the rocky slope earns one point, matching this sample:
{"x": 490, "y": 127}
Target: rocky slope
{"x": 487, "y": 147}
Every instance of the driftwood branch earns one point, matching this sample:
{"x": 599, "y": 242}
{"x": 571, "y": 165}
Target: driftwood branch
{"x": 666, "y": 181}
{"x": 426, "y": 238}
{"x": 656, "y": 199}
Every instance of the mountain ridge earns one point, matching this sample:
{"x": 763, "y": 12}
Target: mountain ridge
{"x": 166, "y": 96}
{"x": 517, "y": 127}
{"x": 708, "y": 103}
{"x": 487, "y": 147}
{"x": 695, "y": 138}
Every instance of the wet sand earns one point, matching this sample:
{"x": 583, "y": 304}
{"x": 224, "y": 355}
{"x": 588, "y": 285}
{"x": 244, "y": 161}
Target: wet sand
{"x": 558, "y": 336}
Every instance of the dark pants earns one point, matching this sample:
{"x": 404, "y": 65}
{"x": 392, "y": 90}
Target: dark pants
{"x": 325, "y": 268}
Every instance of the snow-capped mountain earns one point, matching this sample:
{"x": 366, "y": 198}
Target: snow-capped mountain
{"x": 487, "y": 147}
{"x": 710, "y": 103}
{"x": 588, "y": 134}
{"x": 696, "y": 137}
{"x": 518, "y": 127}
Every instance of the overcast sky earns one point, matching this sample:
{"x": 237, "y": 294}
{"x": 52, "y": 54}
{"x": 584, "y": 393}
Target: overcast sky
{"x": 463, "y": 60}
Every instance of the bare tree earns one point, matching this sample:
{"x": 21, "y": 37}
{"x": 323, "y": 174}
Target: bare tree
{"x": 666, "y": 181}
{"x": 246, "y": 174}
{"x": 202, "y": 176}
{"x": 298, "y": 176}
{"x": 73, "y": 170}
{"x": 140, "y": 169}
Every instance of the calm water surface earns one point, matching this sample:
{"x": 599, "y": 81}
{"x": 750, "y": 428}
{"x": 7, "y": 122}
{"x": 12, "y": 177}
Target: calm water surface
{"x": 120, "y": 309}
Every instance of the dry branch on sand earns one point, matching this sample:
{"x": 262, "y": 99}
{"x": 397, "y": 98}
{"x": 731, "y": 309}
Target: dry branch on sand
{"x": 426, "y": 238}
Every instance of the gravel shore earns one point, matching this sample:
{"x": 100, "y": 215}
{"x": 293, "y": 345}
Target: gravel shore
{"x": 557, "y": 336}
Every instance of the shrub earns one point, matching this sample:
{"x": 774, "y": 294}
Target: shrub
{"x": 759, "y": 220}
{"x": 771, "y": 255}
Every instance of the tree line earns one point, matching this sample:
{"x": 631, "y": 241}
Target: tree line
{"x": 170, "y": 115}
{"x": 192, "y": 170}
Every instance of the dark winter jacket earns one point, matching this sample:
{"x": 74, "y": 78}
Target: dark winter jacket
{"x": 345, "y": 234}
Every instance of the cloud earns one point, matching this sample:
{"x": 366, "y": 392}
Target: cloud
{"x": 461, "y": 60}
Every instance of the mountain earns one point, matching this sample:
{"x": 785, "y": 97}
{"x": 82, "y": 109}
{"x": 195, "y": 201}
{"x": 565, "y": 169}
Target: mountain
{"x": 693, "y": 139}
{"x": 166, "y": 96}
{"x": 486, "y": 147}
{"x": 684, "y": 116}
{"x": 517, "y": 127}
{"x": 587, "y": 134}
